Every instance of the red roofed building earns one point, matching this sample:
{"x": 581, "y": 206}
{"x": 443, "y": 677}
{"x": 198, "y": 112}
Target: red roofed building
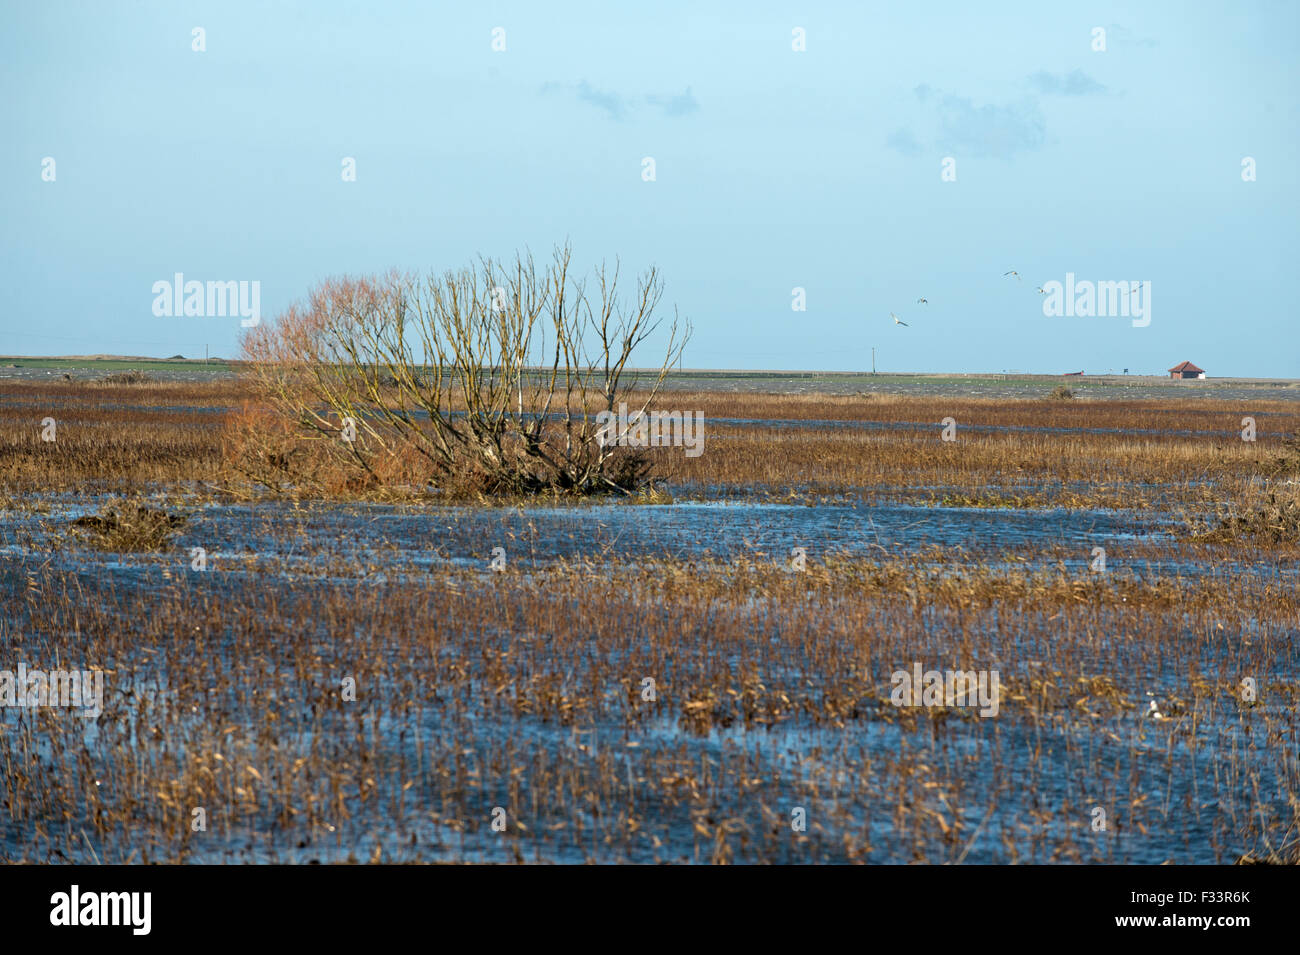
{"x": 1186, "y": 370}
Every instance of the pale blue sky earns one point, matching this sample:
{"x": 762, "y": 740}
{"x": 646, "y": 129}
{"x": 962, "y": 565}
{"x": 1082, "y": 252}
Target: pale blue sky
{"x": 775, "y": 169}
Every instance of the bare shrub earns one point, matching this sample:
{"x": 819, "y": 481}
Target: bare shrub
{"x": 485, "y": 379}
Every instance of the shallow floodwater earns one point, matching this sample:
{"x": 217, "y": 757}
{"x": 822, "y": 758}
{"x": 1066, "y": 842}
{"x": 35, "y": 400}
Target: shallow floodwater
{"x": 299, "y": 537}
{"x": 536, "y": 536}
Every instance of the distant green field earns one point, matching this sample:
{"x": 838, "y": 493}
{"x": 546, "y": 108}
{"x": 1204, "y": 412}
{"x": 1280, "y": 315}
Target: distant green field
{"x": 1013, "y": 386}
{"x": 112, "y": 364}
{"x": 702, "y": 376}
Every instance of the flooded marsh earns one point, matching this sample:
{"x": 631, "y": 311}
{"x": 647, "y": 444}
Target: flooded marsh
{"x": 394, "y": 676}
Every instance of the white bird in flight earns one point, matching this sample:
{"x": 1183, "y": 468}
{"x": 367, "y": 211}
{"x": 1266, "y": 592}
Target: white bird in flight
{"x": 1013, "y": 272}
{"x": 921, "y": 301}
{"x": 899, "y": 321}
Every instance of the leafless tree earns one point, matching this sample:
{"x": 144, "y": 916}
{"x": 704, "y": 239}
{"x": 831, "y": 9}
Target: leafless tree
{"x": 491, "y": 374}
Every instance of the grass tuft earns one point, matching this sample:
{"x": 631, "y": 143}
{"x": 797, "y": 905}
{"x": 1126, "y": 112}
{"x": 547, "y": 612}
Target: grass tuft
{"x": 128, "y": 527}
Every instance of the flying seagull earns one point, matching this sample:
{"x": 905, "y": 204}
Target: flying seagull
{"x": 899, "y": 321}
{"x": 1041, "y": 290}
{"x": 921, "y": 301}
{"x": 1013, "y": 272}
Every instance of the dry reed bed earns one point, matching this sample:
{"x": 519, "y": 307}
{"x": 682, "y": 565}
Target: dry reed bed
{"x": 1177, "y": 411}
{"x": 122, "y": 437}
{"x": 1113, "y": 468}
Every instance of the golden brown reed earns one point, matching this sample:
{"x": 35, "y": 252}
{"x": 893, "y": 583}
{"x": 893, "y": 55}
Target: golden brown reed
{"x": 235, "y": 706}
{"x": 111, "y": 438}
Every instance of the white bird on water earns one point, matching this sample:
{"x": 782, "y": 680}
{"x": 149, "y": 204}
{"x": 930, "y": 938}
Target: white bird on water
{"x": 1153, "y": 711}
{"x": 899, "y": 321}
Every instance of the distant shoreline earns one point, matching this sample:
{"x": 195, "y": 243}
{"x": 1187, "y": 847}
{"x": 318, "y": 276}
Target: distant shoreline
{"x": 225, "y": 365}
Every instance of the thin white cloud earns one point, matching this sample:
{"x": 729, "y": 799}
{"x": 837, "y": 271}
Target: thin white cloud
{"x": 678, "y": 105}
{"x": 959, "y": 127}
{"x": 617, "y": 106}
{"x": 1074, "y": 83}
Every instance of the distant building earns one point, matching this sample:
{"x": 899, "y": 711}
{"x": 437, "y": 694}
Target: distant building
{"x": 1186, "y": 370}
